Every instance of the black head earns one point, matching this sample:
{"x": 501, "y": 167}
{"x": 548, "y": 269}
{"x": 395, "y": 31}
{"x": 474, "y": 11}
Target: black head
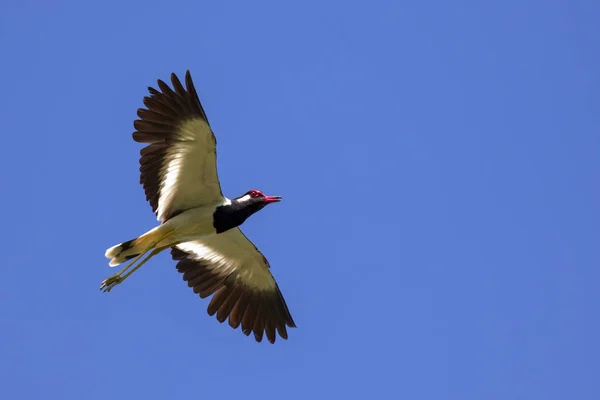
{"x": 257, "y": 198}
{"x": 234, "y": 214}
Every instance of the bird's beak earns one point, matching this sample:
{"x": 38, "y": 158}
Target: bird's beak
{"x": 272, "y": 199}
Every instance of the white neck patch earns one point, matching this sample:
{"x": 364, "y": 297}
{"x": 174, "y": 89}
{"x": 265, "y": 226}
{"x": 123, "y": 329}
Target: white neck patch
{"x": 244, "y": 198}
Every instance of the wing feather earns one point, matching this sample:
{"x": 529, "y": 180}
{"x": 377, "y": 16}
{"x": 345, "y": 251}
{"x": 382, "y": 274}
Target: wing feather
{"x": 231, "y": 269}
{"x": 178, "y": 168}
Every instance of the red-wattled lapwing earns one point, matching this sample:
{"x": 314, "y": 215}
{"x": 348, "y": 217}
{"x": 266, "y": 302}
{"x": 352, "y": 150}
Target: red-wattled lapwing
{"x": 199, "y": 224}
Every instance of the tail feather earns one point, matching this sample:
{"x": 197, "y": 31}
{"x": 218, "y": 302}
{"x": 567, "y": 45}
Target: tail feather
{"x": 127, "y": 250}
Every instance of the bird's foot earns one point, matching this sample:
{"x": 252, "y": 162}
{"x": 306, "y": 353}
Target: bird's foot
{"x": 110, "y": 283}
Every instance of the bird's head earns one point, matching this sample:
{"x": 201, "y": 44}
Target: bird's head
{"x": 234, "y": 212}
{"x": 256, "y": 199}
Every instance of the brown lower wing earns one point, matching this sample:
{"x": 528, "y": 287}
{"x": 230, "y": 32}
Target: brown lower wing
{"x": 257, "y": 311}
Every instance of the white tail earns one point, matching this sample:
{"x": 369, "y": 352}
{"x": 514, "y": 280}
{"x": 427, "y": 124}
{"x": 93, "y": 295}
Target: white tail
{"x": 127, "y": 250}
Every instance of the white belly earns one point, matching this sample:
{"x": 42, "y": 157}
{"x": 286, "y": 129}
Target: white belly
{"x": 189, "y": 225}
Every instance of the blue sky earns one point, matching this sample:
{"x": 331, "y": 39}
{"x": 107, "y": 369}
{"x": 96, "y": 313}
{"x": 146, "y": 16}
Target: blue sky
{"x": 439, "y": 163}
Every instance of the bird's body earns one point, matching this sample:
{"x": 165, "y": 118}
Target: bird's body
{"x": 199, "y": 224}
{"x": 194, "y": 224}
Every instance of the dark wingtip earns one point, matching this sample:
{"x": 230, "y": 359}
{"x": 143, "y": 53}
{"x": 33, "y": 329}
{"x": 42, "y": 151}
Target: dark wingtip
{"x": 160, "y": 83}
{"x": 175, "y": 80}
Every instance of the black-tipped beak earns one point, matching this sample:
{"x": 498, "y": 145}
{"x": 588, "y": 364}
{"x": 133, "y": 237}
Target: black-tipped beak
{"x": 273, "y": 199}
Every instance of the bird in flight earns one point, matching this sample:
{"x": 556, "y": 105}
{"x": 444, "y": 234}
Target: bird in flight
{"x": 197, "y": 222}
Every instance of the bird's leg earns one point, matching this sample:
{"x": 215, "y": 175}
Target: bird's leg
{"x": 117, "y": 278}
{"x": 109, "y": 285}
{"x": 136, "y": 259}
{"x": 154, "y": 252}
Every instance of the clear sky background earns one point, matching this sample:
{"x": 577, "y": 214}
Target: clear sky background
{"x": 439, "y": 163}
